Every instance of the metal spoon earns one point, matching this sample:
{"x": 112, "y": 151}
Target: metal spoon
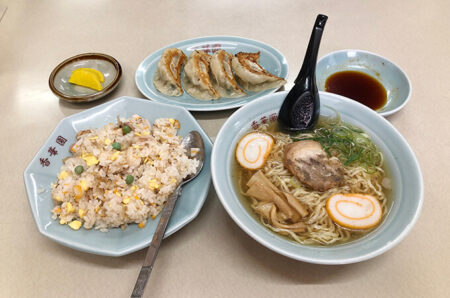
{"x": 301, "y": 107}
{"x": 193, "y": 140}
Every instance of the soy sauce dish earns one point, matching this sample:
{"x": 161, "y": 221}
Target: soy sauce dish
{"x": 300, "y": 232}
{"x": 365, "y": 77}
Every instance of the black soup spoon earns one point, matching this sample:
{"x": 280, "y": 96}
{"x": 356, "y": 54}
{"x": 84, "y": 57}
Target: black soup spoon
{"x": 301, "y": 107}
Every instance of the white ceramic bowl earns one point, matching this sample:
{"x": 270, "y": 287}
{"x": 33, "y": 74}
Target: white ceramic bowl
{"x": 394, "y": 80}
{"x": 406, "y": 177}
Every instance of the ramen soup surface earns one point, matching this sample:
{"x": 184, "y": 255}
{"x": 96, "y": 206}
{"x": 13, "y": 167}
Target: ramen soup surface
{"x": 364, "y": 173}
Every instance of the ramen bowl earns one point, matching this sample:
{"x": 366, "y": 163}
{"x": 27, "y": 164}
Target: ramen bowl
{"x": 391, "y": 76}
{"x": 405, "y": 174}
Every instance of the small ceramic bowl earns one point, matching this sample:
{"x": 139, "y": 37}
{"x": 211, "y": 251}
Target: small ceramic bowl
{"x": 394, "y": 80}
{"x": 58, "y": 81}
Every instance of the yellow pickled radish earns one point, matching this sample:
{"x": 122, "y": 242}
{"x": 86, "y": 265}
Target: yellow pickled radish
{"x": 354, "y": 211}
{"x": 99, "y": 75}
{"x": 85, "y": 78}
{"x": 253, "y": 150}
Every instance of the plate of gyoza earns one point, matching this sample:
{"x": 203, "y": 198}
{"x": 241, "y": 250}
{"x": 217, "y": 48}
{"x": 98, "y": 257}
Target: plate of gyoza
{"x": 212, "y": 73}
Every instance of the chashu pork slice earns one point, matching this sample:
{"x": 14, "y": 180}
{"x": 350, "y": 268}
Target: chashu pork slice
{"x": 311, "y": 165}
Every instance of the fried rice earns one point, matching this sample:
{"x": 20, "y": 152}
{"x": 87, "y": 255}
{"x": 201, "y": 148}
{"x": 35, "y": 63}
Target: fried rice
{"x": 99, "y": 197}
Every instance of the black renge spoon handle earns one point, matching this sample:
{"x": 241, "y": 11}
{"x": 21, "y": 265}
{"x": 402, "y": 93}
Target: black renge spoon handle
{"x": 309, "y": 62}
{"x": 301, "y": 107}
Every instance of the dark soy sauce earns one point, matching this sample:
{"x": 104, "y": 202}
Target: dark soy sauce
{"x": 357, "y": 86}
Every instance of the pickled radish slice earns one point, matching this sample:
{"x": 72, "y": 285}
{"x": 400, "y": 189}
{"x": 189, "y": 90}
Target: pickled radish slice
{"x": 354, "y": 211}
{"x": 86, "y": 78}
{"x": 253, "y": 150}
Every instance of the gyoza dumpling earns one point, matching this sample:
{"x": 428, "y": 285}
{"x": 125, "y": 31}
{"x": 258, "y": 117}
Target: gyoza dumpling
{"x": 222, "y": 75}
{"x": 167, "y": 76}
{"x": 251, "y": 76}
{"x": 196, "y": 79}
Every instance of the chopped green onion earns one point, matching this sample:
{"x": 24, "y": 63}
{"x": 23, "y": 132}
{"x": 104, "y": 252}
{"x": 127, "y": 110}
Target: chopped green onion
{"x": 350, "y": 144}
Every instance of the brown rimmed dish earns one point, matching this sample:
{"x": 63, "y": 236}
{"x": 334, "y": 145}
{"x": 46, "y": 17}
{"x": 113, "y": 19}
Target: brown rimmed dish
{"x": 58, "y": 80}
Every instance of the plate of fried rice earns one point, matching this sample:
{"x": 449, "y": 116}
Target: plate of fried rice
{"x": 101, "y": 179}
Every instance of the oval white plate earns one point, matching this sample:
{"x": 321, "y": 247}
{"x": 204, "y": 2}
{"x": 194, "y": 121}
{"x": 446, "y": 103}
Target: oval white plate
{"x": 271, "y": 59}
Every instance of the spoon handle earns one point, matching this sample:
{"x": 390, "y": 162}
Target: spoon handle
{"x": 307, "y": 72}
{"x": 153, "y": 249}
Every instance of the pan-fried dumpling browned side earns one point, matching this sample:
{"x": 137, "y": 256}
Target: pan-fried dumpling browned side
{"x": 167, "y": 76}
{"x": 196, "y": 79}
{"x": 251, "y": 76}
{"x": 222, "y": 75}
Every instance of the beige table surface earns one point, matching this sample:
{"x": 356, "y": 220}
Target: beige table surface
{"x": 212, "y": 256}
